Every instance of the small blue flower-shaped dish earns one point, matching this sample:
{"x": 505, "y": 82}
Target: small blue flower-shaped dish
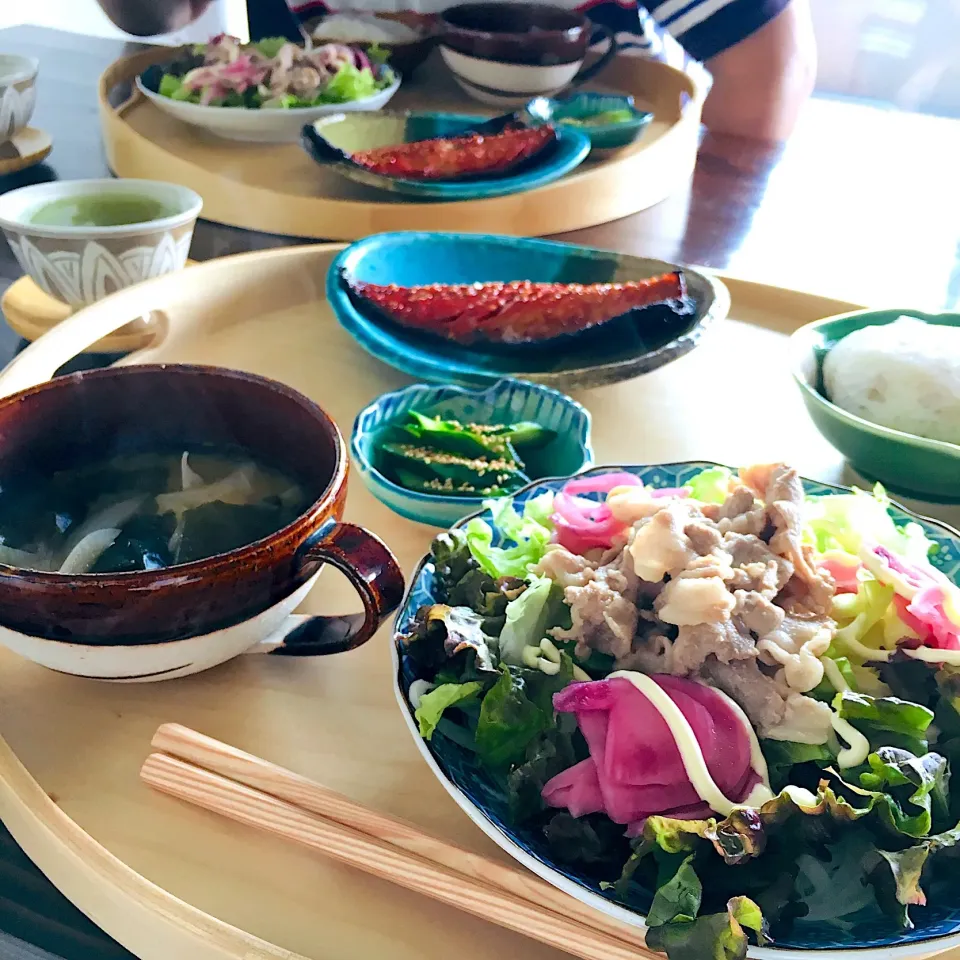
{"x": 585, "y": 112}
{"x": 508, "y": 401}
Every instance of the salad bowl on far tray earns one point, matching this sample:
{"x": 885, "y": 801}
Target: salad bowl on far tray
{"x": 256, "y": 102}
{"x": 549, "y": 771}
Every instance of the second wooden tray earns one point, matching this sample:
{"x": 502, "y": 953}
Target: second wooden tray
{"x": 276, "y": 188}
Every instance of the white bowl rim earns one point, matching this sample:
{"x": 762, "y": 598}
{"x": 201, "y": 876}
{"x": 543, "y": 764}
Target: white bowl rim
{"x": 53, "y": 190}
{"x": 26, "y": 68}
{"x": 207, "y": 110}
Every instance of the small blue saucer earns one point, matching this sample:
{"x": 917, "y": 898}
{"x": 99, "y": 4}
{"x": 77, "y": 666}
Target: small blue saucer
{"x": 574, "y": 112}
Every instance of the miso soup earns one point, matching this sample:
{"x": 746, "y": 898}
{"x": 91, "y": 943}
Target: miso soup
{"x": 143, "y": 511}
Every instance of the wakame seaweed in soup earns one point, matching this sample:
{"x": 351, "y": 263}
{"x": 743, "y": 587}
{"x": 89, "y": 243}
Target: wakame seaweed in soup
{"x": 143, "y": 511}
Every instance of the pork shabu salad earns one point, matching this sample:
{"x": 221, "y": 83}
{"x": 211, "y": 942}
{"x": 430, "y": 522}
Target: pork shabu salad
{"x": 730, "y": 705}
{"x": 275, "y": 74}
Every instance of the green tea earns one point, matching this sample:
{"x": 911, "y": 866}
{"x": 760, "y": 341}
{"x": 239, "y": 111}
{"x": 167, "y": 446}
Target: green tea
{"x": 103, "y": 210}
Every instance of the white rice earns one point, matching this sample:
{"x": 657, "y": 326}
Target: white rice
{"x": 363, "y": 28}
{"x": 905, "y": 375}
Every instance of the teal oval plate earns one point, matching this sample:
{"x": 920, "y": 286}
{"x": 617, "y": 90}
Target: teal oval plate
{"x": 637, "y": 343}
{"x": 352, "y": 132}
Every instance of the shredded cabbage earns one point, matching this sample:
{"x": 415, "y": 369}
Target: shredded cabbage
{"x": 868, "y": 606}
{"x": 711, "y": 485}
{"x": 845, "y": 521}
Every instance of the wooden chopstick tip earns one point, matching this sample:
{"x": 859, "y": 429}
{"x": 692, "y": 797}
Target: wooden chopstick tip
{"x": 168, "y": 733}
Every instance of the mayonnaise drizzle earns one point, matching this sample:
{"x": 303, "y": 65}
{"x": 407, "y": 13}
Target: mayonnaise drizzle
{"x": 691, "y": 755}
{"x": 832, "y": 672}
{"x": 932, "y": 655}
{"x": 859, "y": 746}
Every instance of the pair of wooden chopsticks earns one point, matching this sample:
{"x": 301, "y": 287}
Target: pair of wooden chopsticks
{"x": 249, "y": 790}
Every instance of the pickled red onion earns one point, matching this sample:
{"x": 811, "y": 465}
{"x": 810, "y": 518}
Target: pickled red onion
{"x": 603, "y": 483}
{"x": 843, "y": 568}
{"x": 936, "y": 628}
{"x": 635, "y": 768}
{"x": 583, "y": 525}
{"x": 901, "y": 604}
{"x": 914, "y": 575}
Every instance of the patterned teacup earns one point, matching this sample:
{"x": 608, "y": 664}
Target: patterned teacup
{"x": 81, "y": 240}
{"x": 18, "y": 93}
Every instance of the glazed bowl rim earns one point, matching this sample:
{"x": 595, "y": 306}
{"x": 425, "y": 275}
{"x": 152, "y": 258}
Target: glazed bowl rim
{"x": 27, "y": 69}
{"x": 481, "y": 393}
{"x": 206, "y": 566}
{"x": 190, "y": 202}
{"x": 802, "y": 341}
{"x": 511, "y": 845}
{"x": 510, "y": 36}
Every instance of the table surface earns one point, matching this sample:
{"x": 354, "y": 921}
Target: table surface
{"x": 862, "y": 204}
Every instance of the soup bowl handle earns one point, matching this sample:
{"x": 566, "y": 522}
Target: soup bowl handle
{"x": 373, "y": 572}
{"x": 588, "y": 73}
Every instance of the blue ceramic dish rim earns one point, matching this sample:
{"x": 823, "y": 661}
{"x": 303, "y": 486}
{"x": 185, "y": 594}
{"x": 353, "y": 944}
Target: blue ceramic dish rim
{"x": 468, "y": 503}
{"x": 638, "y": 121}
{"x": 506, "y": 841}
{"x": 534, "y": 178}
{"x": 798, "y": 348}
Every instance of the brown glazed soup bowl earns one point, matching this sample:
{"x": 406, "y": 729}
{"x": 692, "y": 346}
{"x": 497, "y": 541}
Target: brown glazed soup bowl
{"x": 156, "y": 624}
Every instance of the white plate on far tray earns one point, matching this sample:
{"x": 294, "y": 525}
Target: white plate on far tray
{"x": 261, "y": 125}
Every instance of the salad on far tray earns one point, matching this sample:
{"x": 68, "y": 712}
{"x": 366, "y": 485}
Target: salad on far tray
{"x": 732, "y": 705}
{"x": 275, "y": 73}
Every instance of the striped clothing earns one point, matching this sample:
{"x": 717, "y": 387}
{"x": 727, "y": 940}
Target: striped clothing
{"x": 683, "y": 33}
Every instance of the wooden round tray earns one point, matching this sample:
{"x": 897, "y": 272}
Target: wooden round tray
{"x": 171, "y": 882}
{"x": 277, "y": 188}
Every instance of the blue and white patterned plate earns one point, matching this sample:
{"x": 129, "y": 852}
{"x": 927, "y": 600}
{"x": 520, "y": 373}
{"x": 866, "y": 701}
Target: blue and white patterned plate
{"x": 937, "y": 926}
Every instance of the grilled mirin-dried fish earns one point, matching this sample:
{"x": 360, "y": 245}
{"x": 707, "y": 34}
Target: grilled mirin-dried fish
{"x": 518, "y": 311}
{"x": 453, "y": 158}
